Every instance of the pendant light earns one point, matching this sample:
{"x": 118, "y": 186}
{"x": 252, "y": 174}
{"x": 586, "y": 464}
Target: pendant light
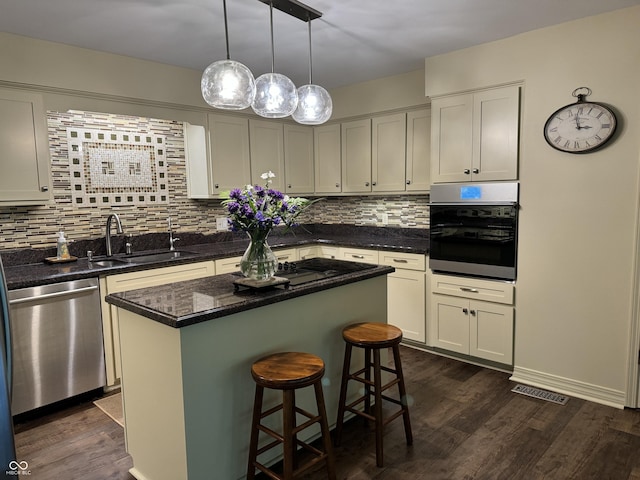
{"x": 227, "y": 84}
{"x": 314, "y": 102}
{"x": 276, "y": 95}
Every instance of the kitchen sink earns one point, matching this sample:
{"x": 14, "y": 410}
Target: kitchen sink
{"x": 155, "y": 257}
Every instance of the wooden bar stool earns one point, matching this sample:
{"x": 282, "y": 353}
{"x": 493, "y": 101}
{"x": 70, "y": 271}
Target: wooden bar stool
{"x": 373, "y": 337}
{"x": 289, "y": 371}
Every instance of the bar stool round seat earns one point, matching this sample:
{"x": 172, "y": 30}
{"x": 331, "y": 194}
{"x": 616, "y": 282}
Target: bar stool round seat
{"x": 373, "y": 337}
{"x": 289, "y": 371}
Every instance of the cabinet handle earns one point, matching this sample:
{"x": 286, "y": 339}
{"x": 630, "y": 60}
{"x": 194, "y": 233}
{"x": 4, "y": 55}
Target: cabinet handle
{"x": 366, "y": 184}
{"x": 337, "y": 185}
{"x": 408, "y": 182}
{"x": 472, "y": 312}
{"x": 465, "y": 311}
{"x": 44, "y": 189}
{"x": 467, "y": 171}
{"x": 288, "y": 185}
{"x": 374, "y": 183}
{"x": 400, "y": 260}
{"x": 470, "y": 290}
{"x": 476, "y": 170}
{"x": 357, "y": 256}
{"x": 216, "y": 186}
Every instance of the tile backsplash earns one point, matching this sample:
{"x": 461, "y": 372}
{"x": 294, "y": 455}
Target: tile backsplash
{"x": 37, "y": 226}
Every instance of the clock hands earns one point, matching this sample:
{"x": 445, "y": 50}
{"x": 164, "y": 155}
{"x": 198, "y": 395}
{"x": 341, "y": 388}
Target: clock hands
{"x": 581, "y": 127}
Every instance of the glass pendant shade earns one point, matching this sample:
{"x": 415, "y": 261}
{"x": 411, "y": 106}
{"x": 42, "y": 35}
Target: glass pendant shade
{"x": 228, "y": 85}
{"x": 314, "y": 105}
{"x": 276, "y": 96}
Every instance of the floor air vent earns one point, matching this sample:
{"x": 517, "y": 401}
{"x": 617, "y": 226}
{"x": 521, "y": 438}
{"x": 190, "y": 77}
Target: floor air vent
{"x": 541, "y": 394}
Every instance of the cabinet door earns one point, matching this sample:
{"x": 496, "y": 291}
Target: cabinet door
{"x": 24, "y": 149}
{"x": 495, "y": 125}
{"x": 451, "y": 138}
{"x": 449, "y": 323}
{"x": 328, "y": 164}
{"x": 356, "y": 156}
{"x": 388, "y": 153}
{"x": 406, "y": 303}
{"x": 227, "y": 265}
{"x": 491, "y": 331}
{"x": 418, "y": 150}
{"x": 197, "y": 165}
{"x": 298, "y": 159}
{"x": 229, "y": 147}
{"x": 267, "y": 152}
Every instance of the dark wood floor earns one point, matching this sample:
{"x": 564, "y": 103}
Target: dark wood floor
{"x": 467, "y": 424}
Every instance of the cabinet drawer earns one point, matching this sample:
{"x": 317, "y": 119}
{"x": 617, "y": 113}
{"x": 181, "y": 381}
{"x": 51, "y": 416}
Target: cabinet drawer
{"x": 286, "y": 255}
{"x": 487, "y": 290}
{"x": 359, "y": 255}
{"x": 227, "y": 265}
{"x": 406, "y": 261}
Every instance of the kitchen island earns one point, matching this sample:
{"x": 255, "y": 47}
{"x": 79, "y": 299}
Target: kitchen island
{"x": 187, "y": 350}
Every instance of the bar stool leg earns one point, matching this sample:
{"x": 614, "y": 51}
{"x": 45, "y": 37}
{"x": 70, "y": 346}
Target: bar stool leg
{"x": 343, "y": 393}
{"x": 403, "y": 395}
{"x": 367, "y": 378}
{"x": 377, "y": 380}
{"x": 253, "y": 444}
{"x": 324, "y": 426}
{"x": 288, "y": 423}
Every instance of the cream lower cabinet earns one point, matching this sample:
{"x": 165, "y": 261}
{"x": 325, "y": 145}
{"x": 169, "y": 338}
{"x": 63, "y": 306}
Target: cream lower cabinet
{"x": 463, "y": 321}
{"x": 317, "y": 251}
{"x": 358, "y": 255}
{"x": 130, "y": 281}
{"x": 406, "y": 293}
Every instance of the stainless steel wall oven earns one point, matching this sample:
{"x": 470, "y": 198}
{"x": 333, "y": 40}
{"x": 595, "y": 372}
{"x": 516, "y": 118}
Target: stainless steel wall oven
{"x": 474, "y": 229}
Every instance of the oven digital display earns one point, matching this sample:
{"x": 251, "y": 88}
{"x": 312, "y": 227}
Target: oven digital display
{"x": 470, "y": 192}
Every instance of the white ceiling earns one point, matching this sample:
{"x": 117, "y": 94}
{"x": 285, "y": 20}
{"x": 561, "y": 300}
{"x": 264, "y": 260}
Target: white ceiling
{"x": 354, "y": 40}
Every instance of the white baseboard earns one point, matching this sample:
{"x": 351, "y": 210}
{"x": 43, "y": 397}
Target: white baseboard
{"x": 570, "y": 387}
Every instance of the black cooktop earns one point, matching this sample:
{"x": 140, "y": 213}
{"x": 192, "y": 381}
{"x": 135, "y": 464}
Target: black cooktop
{"x": 317, "y": 269}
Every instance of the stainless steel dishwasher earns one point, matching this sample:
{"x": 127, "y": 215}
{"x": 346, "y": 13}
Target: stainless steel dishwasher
{"x": 57, "y": 342}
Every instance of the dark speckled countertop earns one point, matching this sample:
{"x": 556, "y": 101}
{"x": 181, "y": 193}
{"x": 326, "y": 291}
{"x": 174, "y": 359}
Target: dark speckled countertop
{"x": 25, "y": 268}
{"x": 193, "y": 301}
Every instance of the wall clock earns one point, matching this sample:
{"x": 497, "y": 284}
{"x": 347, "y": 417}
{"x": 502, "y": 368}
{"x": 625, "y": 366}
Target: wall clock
{"x": 580, "y": 127}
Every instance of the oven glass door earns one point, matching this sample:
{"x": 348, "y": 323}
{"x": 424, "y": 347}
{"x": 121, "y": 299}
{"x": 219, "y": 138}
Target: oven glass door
{"x": 474, "y": 239}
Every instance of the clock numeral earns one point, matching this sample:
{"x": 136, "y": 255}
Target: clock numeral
{"x": 557, "y": 140}
{"x": 566, "y": 144}
{"x": 597, "y": 137}
{"x": 606, "y": 125}
{"x": 554, "y": 129}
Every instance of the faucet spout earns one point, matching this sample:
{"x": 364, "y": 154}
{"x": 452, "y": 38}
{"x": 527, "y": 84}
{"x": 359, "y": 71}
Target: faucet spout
{"x": 107, "y": 236}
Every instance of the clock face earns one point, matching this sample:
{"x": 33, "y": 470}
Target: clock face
{"x": 580, "y": 127}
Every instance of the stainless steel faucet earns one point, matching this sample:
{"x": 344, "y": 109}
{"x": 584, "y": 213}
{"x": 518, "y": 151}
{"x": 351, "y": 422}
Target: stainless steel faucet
{"x": 107, "y": 237}
{"x": 172, "y": 240}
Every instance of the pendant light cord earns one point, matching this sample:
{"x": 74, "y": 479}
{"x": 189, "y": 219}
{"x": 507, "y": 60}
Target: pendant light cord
{"x": 273, "y": 55}
{"x": 226, "y": 28}
{"x": 310, "y": 69}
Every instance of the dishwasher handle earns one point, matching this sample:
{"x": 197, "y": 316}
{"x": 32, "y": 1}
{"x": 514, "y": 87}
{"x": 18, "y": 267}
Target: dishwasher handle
{"x": 52, "y": 295}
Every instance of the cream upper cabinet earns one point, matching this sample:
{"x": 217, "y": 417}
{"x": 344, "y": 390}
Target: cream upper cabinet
{"x": 474, "y": 136}
{"x": 24, "y": 149}
{"x": 328, "y": 155}
{"x": 267, "y": 152}
{"x": 418, "y": 150}
{"x": 229, "y": 153}
{"x": 388, "y": 153}
{"x": 298, "y": 159}
{"x": 356, "y": 156}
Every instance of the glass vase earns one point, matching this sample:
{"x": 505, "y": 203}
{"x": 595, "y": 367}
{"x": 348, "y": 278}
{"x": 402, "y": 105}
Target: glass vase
{"x": 258, "y": 261}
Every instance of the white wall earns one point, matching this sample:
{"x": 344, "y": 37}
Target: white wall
{"x": 579, "y": 213}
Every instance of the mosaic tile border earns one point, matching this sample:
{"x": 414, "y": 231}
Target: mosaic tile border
{"x": 108, "y": 168}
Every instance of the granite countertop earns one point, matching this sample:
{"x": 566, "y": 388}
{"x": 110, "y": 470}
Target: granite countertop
{"x": 189, "y": 302}
{"x": 25, "y": 268}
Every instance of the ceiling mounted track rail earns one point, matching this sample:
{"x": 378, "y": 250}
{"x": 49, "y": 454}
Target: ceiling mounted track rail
{"x": 295, "y": 9}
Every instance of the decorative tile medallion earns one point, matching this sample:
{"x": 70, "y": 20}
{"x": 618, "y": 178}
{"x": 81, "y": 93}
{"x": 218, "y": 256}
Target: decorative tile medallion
{"x": 117, "y": 168}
